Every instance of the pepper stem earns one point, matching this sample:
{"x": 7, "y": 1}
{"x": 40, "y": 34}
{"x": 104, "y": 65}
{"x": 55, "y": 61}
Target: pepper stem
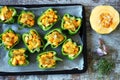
{"x": 38, "y": 49}
{"x": 58, "y": 59}
{"x": 45, "y": 45}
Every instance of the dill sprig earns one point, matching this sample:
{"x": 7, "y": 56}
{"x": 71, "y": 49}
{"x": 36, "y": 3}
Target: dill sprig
{"x": 105, "y": 66}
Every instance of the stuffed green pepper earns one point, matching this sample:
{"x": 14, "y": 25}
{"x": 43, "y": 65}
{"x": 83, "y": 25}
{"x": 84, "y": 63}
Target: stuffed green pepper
{"x": 26, "y": 19}
{"x": 7, "y": 14}
{"x": 18, "y": 57}
{"x": 9, "y": 39}
{"x": 47, "y": 59}
{"x": 71, "y": 23}
{"x": 47, "y": 19}
{"x": 71, "y": 49}
{"x": 32, "y": 40}
{"x": 55, "y": 38}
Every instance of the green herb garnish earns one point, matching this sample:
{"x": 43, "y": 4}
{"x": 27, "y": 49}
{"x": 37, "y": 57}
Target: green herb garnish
{"x": 105, "y": 66}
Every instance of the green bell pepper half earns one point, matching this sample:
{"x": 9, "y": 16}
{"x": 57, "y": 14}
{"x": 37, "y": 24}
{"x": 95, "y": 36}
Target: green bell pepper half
{"x": 48, "y": 56}
{"x": 48, "y": 42}
{"x": 26, "y": 22}
{"x": 12, "y": 56}
{"x": 2, "y": 42}
{"x": 51, "y": 24}
{"x": 71, "y": 57}
{"x": 28, "y": 35}
{"x": 2, "y": 13}
{"x": 70, "y": 22}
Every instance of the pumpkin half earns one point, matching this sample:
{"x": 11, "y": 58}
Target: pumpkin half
{"x": 104, "y": 19}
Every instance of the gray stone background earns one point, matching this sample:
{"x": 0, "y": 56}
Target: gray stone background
{"x": 112, "y": 40}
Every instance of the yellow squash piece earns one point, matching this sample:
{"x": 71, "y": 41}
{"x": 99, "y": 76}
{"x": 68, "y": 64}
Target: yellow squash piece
{"x": 104, "y": 19}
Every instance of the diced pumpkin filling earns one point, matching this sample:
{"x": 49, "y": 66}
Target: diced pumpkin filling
{"x": 47, "y": 60}
{"x": 9, "y": 39}
{"x": 48, "y": 18}
{"x": 55, "y": 38}
{"x": 106, "y": 20}
{"x": 27, "y": 19}
{"x": 71, "y": 23}
{"x": 18, "y": 57}
{"x": 70, "y": 48}
{"x": 5, "y": 13}
{"x": 33, "y": 40}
